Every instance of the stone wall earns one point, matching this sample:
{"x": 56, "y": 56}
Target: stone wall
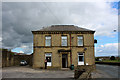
{"x": 84, "y": 72}
{"x": 85, "y": 75}
{"x": 18, "y": 58}
{"x": 86, "y": 67}
{"x": 9, "y": 59}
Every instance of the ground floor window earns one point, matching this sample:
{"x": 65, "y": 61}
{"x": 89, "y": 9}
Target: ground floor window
{"x": 48, "y": 57}
{"x": 80, "y": 58}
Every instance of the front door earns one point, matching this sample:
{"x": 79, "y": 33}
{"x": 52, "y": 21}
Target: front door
{"x": 64, "y": 60}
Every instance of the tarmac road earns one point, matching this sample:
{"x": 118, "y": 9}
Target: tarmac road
{"x": 106, "y": 71}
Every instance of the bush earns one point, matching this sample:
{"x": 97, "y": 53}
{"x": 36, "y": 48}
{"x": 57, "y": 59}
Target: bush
{"x": 96, "y": 59}
{"x": 112, "y": 58}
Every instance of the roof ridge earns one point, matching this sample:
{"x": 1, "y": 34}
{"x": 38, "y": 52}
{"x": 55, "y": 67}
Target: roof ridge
{"x": 63, "y": 28}
{"x": 84, "y": 28}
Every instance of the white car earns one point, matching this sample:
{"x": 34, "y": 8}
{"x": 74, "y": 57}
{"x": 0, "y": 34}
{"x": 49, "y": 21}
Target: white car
{"x": 23, "y": 63}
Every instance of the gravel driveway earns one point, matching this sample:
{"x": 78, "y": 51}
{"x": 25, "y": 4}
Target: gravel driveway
{"x": 28, "y": 72}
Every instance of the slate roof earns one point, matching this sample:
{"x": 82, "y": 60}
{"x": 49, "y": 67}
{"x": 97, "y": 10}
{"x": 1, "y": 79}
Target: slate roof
{"x": 64, "y": 28}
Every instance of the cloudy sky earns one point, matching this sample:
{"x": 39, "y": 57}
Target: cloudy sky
{"x": 20, "y": 18}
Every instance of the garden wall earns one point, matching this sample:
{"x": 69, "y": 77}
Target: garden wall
{"x": 9, "y": 59}
{"x": 84, "y": 72}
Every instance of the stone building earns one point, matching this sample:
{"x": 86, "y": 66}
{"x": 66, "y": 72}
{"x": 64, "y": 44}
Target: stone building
{"x": 63, "y": 45}
{"x": 7, "y": 57}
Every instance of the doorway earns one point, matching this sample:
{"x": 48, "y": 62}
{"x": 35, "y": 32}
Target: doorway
{"x": 64, "y": 61}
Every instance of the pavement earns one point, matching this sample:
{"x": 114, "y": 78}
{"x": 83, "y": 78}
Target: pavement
{"x": 28, "y": 72}
{"x": 106, "y": 71}
{"x": 102, "y": 71}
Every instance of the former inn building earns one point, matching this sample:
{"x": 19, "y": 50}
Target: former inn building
{"x": 63, "y": 45}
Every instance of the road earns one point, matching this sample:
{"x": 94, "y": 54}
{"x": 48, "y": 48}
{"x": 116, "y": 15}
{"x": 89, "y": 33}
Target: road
{"x": 106, "y": 71}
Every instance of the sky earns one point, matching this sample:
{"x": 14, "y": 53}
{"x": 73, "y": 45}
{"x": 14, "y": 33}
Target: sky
{"x": 20, "y": 18}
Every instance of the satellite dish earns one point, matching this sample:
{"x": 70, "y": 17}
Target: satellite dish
{"x": 85, "y": 49}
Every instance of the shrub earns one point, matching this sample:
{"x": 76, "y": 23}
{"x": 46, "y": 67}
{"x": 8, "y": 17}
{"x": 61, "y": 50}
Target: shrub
{"x": 96, "y": 59}
{"x": 112, "y": 58}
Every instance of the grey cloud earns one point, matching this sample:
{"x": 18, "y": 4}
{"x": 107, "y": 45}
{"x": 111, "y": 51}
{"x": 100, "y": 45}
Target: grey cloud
{"x": 19, "y": 19}
{"x": 27, "y": 47}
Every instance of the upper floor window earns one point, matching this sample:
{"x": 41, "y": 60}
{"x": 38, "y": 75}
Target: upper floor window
{"x": 64, "y": 40}
{"x": 47, "y": 40}
{"x": 80, "y": 40}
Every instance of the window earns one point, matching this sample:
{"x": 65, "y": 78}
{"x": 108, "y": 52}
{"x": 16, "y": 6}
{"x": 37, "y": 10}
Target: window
{"x": 80, "y": 58}
{"x": 64, "y": 40}
{"x": 48, "y": 58}
{"x": 47, "y": 40}
{"x": 80, "y": 40}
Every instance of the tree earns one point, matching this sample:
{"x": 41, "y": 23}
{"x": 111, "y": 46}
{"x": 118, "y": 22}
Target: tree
{"x": 112, "y": 58}
{"x": 96, "y": 59}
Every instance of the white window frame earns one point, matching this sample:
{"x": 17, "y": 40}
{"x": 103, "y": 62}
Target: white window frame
{"x": 63, "y": 40}
{"x": 79, "y": 38}
{"x": 46, "y": 39}
{"x": 49, "y": 55}
{"x": 80, "y": 62}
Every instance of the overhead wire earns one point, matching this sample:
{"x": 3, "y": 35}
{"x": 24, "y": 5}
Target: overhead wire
{"x": 51, "y": 12}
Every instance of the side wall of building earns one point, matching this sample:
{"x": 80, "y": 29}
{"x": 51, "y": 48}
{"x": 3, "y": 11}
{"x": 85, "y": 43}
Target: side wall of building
{"x": 40, "y": 50}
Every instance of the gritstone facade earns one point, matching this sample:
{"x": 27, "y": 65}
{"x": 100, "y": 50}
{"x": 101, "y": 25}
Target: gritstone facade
{"x": 63, "y": 45}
